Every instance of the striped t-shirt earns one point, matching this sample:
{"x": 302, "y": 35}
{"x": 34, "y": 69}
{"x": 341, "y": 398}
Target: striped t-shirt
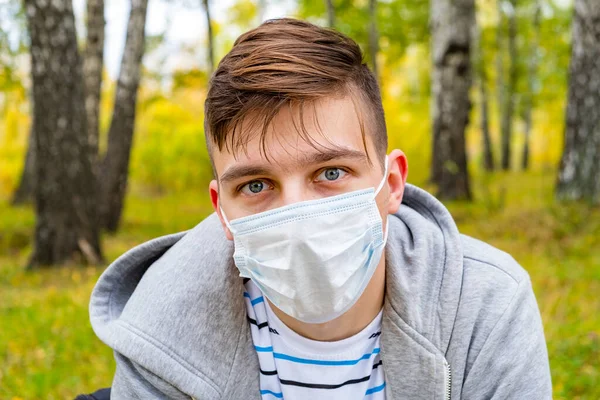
{"x": 293, "y": 367}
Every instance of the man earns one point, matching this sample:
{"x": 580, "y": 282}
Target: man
{"x": 322, "y": 274}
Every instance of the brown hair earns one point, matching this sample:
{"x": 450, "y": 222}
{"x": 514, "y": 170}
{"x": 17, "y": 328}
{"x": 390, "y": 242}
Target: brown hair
{"x": 288, "y": 62}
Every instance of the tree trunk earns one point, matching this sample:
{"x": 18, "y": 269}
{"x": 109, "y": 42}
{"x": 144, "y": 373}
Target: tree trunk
{"x": 579, "y": 174}
{"x": 209, "y": 32}
{"x": 478, "y": 62}
{"x": 531, "y": 71}
{"x": 115, "y": 166}
{"x": 500, "y": 94}
{"x": 65, "y": 198}
{"x": 92, "y": 71}
{"x": 373, "y": 37}
{"x": 25, "y": 190}
{"x": 488, "y": 159}
{"x": 451, "y": 22}
{"x": 330, "y": 13}
{"x": 509, "y": 97}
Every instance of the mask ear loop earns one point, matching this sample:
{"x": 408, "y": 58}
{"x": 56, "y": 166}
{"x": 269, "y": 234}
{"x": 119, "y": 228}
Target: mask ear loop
{"x": 387, "y": 230}
{"x": 385, "y": 172}
{"x": 383, "y": 180}
{"x": 225, "y": 219}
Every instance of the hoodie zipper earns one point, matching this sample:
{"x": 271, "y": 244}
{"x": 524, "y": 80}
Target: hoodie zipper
{"x": 447, "y": 380}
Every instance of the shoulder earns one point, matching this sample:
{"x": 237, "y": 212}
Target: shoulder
{"x": 492, "y": 280}
{"x": 487, "y": 268}
{"x": 481, "y": 259}
{"x": 496, "y": 291}
{"x": 166, "y": 305}
{"x": 498, "y": 340}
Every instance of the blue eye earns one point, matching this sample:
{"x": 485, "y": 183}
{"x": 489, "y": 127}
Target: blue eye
{"x": 331, "y": 174}
{"x": 252, "y": 188}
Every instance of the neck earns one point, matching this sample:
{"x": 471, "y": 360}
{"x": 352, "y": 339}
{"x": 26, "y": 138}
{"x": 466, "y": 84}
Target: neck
{"x": 351, "y": 322}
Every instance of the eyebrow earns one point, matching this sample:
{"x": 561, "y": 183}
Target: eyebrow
{"x": 333, "y": 154}
{"x": 241, "y": 171}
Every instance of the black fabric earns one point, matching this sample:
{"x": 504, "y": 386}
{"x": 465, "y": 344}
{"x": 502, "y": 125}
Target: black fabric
{"x": 102, "y": 394}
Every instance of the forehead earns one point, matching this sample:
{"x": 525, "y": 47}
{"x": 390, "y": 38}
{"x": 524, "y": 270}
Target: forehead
{"x": 295, "y": 134}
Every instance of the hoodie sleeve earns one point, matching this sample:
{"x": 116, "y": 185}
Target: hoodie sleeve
{"x": 513, "y": 362}
{"x": 131, "y": 381}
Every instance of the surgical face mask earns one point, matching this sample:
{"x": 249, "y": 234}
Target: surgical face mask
{"x": 312, "y": 259}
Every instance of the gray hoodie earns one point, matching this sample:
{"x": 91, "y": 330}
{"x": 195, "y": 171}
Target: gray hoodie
{"x": 460, "y": 318}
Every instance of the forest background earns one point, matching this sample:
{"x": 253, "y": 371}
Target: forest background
{"x": 47, "y": 347}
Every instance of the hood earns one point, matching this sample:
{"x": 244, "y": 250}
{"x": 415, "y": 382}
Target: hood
{"x": 175, "y": 304}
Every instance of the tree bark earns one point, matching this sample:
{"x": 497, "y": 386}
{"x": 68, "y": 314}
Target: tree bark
{"x": 92, "y": 72}
{"x": 488, "y": 156}
{"x": 451, "y": 22}
{"x": 209, "y": 32}
{"x": 500, "y": 52}
{"x": 579, "y": 173}
{"x": 25, "y": 190}
{"x": 330, "y": 13}
{"x": 93, "y": 59}
{"x": 531, "y": 72}
{"x": 65, "y": 199}
{"x": 509, "y": 96}
{"x": 115, "y": 166}
{"x": 373, "y": 37}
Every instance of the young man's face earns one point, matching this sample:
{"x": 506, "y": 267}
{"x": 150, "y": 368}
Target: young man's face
{"x": 294, "y": 170}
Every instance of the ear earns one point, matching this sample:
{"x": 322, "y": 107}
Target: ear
{"x": 398, "y": 172}
{"x": 213, "y": 189}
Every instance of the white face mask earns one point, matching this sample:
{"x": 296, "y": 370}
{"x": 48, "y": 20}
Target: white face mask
{"x": 312, "y": 259}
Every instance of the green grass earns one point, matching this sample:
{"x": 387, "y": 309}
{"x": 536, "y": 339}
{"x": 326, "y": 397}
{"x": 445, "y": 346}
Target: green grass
{"x": 49, "y": 351}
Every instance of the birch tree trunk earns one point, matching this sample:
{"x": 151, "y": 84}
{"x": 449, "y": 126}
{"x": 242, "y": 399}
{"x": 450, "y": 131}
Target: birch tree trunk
{"x": 488, "y": 156}
{"x": 92, "y": 72}
{"x": 93, "y": 59}
{"x": 451, "y": 23}
{"x": 115, "y": 166}
{"x": 500, "y": 52}
{"x": 65, "y": 197}
{"x": 579, "y": 173}
{"x": 531, "y": 72}
{"x": 330, "y": 13}
{"x": 509, "y": 95}
{"x": 373, "y": 37}
{"x": 209, "y": 33}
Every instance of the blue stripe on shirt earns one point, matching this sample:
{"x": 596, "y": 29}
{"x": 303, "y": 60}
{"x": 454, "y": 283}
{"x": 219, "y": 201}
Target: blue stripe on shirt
{"x": 256, "y": 300}
{"x": 278, "y": 395}
{"x": 375, "y": 389}
{"x": 315, "y": 362}
{"x": 263, "y": 349}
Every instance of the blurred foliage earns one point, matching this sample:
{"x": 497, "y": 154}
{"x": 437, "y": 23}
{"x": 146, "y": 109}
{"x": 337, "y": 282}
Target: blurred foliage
{"x": 243, "y": 14}
{"x": 172, "y": 156}
{"x": 51, "y": 351}
{"x": 400, "y": 23}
